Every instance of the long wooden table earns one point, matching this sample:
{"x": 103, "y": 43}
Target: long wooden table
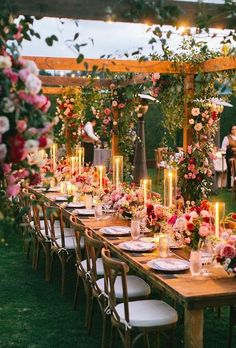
{"x": 194, "y": 294}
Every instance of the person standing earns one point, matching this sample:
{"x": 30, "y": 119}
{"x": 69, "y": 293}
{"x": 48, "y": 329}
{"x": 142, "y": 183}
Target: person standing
{"x": 89, "y": 138}
{"x": 229, "y": 146}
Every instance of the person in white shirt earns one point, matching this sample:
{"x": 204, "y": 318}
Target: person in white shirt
{"x": 229, "y": 146}
{"x": 89, "y": 138}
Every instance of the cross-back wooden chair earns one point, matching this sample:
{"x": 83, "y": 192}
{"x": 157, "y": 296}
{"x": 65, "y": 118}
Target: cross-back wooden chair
{"x": 135, "y": 318}
{"x": 233, "y": 172}
{"x": 137, "y": 287}
{"x": 25, "y": 199}
{"x": 62, "y": 241}
{"x": 81, "y": 263}
{"x": 232, "y": 324}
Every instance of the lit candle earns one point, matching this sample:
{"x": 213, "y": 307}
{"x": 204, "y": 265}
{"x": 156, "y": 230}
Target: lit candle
{"x": 80, "y": 156}
{"x": 73, "y": 163}
{"x": 100, "y": 168}
{"x": 117, "y": 173}
{"x": 54, "y": 156}
{"x": 217, "y": 220}
{"x": 63, "y": 186}
{"x": 163, "y": 245}
{"x": 170, "y": 189}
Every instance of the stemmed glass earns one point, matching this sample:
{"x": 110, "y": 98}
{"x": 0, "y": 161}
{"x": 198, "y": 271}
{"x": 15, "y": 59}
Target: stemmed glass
{"x": 207, "y": 256}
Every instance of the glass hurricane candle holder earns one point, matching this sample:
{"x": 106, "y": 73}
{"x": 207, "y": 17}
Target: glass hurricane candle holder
{"x": 63, "y": 186}
{"x": 73, "y": 165}
{"x": 79, "y": 153}
{"x": 117, "y": 166}
{"x": 53, "y": 155}
{"x": 101, "y": 175}
{"x": 163, "y": 245}
{"x": 217, "y": 210}
{"x": 170, "y": 187}
{"x": 146, "y": 186}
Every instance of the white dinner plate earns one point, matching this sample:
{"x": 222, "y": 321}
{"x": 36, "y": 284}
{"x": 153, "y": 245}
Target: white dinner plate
{"x": 168, "y": 264}
{"x": 85, "y": 211}
{"x": 116, "y": 230}
{"x": 61, "y": 198}
{"x": 75, "y": 205}
{"x": 137, "y": 246}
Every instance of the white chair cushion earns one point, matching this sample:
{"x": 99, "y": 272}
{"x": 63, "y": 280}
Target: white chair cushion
{"x": 42, "y": 224}
{"x": 70, "y": 242}
{"x": 99, "y": 265}
{"x": 68, "y": 232}
{"x": 136, "y": 286}
{"x": 148, "y": 313}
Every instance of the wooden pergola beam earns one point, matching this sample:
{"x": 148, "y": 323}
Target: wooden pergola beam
{"x": 113, "y": 65}
{"x": 118, "y": 10}
{"x": 218, "y": 64}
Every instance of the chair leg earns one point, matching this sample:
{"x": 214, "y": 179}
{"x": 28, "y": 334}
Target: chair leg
{"x": 111, "y": 336}
{"x": 36, "y": 256}
{"x": 47, "y": 250}
{"x": 127, "y": 337}
{"x": 89, "y": 312}
{"x": 157, "y": 345}
{"x": 63, "y": 272}
{"x": 105, "y": 318}
{"x": 76, "y": 296}
{"x": 172, "y": 338}
{"x": 146, "y": 340}
{"x": 51, "y": 266}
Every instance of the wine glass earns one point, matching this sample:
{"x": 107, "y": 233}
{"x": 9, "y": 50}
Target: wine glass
{"x": 207, "y": 256}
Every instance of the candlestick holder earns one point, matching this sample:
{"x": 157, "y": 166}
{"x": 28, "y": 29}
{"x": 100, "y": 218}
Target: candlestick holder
{"x": 73, "y": 165}
{"x": 53, "y": 156}
{"x": 101, "y": 175}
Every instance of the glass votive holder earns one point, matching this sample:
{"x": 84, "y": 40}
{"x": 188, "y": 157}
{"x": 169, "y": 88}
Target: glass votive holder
{"x": 135, "y": 229}
{"x": 63, "y": 186}
{"x": 195, "y": 262}
{"x": 98, "y": 211}
{"x": 88, "y": 201}
{"x": 163, "y": 245}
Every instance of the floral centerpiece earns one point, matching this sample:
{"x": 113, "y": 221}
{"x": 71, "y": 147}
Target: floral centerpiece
{"x": 193, "y": 227}
{"x": 226, "y": 252}
{"x": 157, "y": 215}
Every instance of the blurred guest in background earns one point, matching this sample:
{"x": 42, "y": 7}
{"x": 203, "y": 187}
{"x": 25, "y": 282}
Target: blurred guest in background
{"x": 89, "y": 138}
{"x": 229, "y": 146}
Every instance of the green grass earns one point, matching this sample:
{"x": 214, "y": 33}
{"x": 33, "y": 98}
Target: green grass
{"x": 34, "y": 315}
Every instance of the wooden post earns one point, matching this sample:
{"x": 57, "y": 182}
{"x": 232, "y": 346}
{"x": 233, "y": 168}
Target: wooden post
{"x": 115, "y": 138}
{"x": 68, "y": 146}
{"x": 193, "y": 328}
{"x": 188, "y": 94}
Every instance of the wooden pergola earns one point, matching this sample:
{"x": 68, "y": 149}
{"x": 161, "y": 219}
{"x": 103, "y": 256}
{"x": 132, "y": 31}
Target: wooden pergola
{"x": 52, "y": 84}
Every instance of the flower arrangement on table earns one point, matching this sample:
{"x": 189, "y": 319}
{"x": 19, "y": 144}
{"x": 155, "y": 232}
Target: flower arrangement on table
{"x": 88, "y": 182}
{"x": 156, "y": 215}
{"x": 226, "y": 252}
{"x": 193, "y": 227}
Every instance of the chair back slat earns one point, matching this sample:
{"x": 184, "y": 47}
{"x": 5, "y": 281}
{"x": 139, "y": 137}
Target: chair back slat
{"x": 93, "y": 252}
{"x": 79, "y": 232}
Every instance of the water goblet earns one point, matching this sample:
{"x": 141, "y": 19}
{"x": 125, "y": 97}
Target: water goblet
{"x": 135, "y": 229}
{"x": 195, "y": 262}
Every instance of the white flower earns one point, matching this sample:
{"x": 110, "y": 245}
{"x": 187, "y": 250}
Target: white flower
{"x": 191, "y": 121}
{"x": 195, "y": 111}
{"x": 198, "y": 126}
{"x": 193, "y": 214}
{"x": 8, "y": 105}
{"x": 4, "y": 124}
{"x": 55, "y": 120}
{"x": 31, "y": 145}
{"x": 30, "y": 64}
{"x": 5, "y": 62}
{"x": 33, "y": 84}
{"x": 205, "y": 213}
{"x": 3, "y": 152}
{"x": 180, "y": 224}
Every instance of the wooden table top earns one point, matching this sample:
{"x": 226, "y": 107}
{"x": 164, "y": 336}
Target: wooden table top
{"x": 193, "y": 292}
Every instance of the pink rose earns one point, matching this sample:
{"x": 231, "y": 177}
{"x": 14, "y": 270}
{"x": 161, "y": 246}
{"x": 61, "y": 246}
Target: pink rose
{"x": 23, "y": 74}
{"x": 191, "y": 167}
{"x": 28, "y": 98}
{"x": 13, "y": 190}
{"x": 33, "y": 84}
{"x": 228, "y": 251}
{"x": 107, "y": 111}
{"x": 114, "y": 103}
{"x": 106, "y": 121}
{"x": 13, "y": 76}
{"x": 204, "y": 231}
{"x": 32, "y": 131}
{"x": 189, "y": 149}
{"x": 11, "y": 180}
{"x": 121, "y": 106}
{"x": 21, "y": 126}
{"x": 187, "y": 240}
{"x": 6, "y": 167}
{"x": 210, "y": 122}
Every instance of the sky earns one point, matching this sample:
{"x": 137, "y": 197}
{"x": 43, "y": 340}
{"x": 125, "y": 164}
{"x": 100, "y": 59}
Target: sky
{"x": 103, "y": 38}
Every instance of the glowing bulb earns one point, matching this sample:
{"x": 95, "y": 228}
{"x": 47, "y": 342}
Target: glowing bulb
{"x": 182, "y": 29}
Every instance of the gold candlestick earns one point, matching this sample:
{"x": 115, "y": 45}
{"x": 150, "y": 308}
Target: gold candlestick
{"x": 79, "y": 152}
{"x": 146, "y": 185}
{"x": 53, "y": 155}
{"x": 218, "y": 213}
{"x": 101, "y": 171}
{"x": 170, "y": 187}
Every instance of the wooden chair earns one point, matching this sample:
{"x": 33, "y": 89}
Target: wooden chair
{"x": 135, "y": 317}
{"x": 62, "y": 242}
{"x": 232, "y": 324}
{"x": 137, "y": 287}
{"x": 159, "y": 152}
{"x": 81, "y": 263}
{"x": 233, "y": 172}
